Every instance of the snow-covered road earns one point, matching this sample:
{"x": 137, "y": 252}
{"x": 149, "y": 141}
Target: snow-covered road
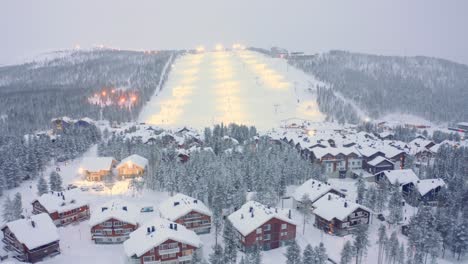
{"x": 232, "y": 86}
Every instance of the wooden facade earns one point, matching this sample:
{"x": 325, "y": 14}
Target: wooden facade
{"x": 272, "y": 234}
{"x": 130, "y": 171}
{"x": 197, "y": 222}
{"x": 25, "y": 254}
{"x": 74, "y": 215}
{"x": 112, "y": 231}
{"x": 169, "y": 252}
{"x": 338, "y": 227}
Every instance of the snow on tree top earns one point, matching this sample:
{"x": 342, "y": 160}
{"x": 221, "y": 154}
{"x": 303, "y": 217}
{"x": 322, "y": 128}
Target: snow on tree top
{"x": 179, "y": 205}
{"x": 253, "y": 214}
{"x": 61, "y": 201}
{"x": 156, "y": 232}
{"x": 95, "y": 164}
{"x": 313, "y": 189}
{"x": 35, "y": 232}
{"x": 333, "y": 206}
{"x": 114, "y": 209}
{"x": 377, "y": 160}
{"x": 425, "y": 186}
{"x": 134, "y": 159}
{"x": 401, "y": 176}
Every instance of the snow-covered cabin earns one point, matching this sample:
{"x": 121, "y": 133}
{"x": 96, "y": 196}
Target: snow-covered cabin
{"x": 32, "y": 239}
{"x": 63, "y": 207}
{"x": 426, "y": 191}
{"x": 336, "y": 215}
{"x": 379, "y": 164}
{"x": 96, "y": 168}
{"x": 113, "y": 222}
{"x": 60, "y": 124}
{"x": 337, "y": 159}
{"x": 161, "y": 241}
{"x": 269, "y": 227}
{"x": 132, "y": 166}
{"x": 396, "y": 176}
{"x": 187, "y": 211}
{"x": 314, "y": 190}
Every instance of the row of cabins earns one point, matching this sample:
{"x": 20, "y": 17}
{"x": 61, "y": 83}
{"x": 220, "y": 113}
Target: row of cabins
{"x": 61, "y": 124}
{"x": 97, "y": 168}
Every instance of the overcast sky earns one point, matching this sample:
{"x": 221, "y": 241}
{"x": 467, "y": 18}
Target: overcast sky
{"x": 395, "y": 27}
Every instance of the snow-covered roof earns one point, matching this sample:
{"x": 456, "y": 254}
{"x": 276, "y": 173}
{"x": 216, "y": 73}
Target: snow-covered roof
{"x": 401, "y": 176}
{"x": 254, "y": 214}
{"x": 62, "y": 201}
{"x": 141, "y": 241}
{"x": 385, "y": 134}
{"x": 35, "y": 232}
{"x": 377, "y": 160}
{"x": 313, "y": 189}
{"x": 179, "y": 205}
{"x": 321, "y": 152}
{"x": 333, "y": 206}
{"x": 87, "y": 120}
{"x": 134, "y": 159}
{"x": 95, "y": 164}
{"x": 426, "y": 185}
{"x": 367, "y": 151}
{"x": 115, "y": 209}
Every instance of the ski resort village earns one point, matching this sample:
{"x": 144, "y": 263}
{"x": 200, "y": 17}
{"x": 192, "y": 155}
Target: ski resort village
{"x": 224, "y": 155}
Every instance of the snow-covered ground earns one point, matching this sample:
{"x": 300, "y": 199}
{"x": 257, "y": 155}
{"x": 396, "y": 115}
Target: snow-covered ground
{"x": 232, "y": 86}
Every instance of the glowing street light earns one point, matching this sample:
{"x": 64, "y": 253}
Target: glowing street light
{"x": 200, "y": 49}
{"x": 219, "y": 47}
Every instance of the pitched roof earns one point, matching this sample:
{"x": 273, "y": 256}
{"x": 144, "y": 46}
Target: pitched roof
{"x": 141, "y": 241}
{"x": 377, "y": 160}
{"x": 62, "y": 201}
{"x": 313, "y": 189}
{"x": 401, "y": 176}
{"x": 95, "y": 164}
{"x": 134, "y": 159}
{"x": 115, "y": 209}
{"x": 179, "y": 205}
{"x": 42, "y": 233}
{"x": 333, "y": 206}
{"x": 426, "y": 185}
{"x": 254, "y": 214}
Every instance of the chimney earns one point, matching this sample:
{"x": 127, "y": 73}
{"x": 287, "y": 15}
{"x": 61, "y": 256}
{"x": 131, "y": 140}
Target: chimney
{"x": 252, "y": 215}
{"x": 276, "y": 210}
{"x": 329, "y": 197}
{"x": 124, "y": 208}
{"x": 153, "y": 229}
{"x": 250, "y": 209}
{"x": 289, "y": 214}
{"x": 170, "y": 226}
{"x": 175, "y": 227}
{"x": 195, "y": 201}
{"x": 176, "y": 203}
{"x": 33, "y": 224}
{"x": 148, "y": 230}
{"x": 319, "y": 185}
{"x": 103, "y": 209}
{"x": 242, "y": 216}
{"x": 345, "y": 204}
{"x": 63, "y": 197}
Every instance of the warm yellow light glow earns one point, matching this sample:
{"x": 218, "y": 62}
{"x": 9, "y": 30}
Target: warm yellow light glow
{"x": 219, "y": 47}
{"x": 200, "y": 49}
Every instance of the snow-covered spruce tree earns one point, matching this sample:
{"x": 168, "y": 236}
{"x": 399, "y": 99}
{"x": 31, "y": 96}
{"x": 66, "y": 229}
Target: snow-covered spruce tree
{"x": 306, "y": 210}
{"x": 230, "y": 243}
{"x": 197, "y": 257}
{"x": 321, "y": 256}
{"x": 55, "y": 182}
{"x": 361, "y": 190}
{"x": 293, "y": 253}
{"x": 17, "y": 207}
{"x": 42, "y": 186}
{"x": 370, "y": 198}
{"x": 460, "y": 239}
{"x": 216, "y": 257}
{"x": 401, "y": 254}
{"x": 394, "y": 206}
{"x": 347, "y": 253}
{"x": 7, "y": 212}
{"x": 392, "y": 248}
{"x": 361, "y": 242}
{"x": 308, "y": 255}
{"x": 382, "y": 241}
{"x": 254, "y": 256}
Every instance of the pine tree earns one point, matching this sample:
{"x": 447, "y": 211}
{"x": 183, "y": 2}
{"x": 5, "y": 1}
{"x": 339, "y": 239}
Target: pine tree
{"x": 216, "y": 257}
{"x": 42, "y": 186}
{"x": 230, "y": 243}
{"x": 306, "y": 209}
{"x": 382, "y": 241}
{"x": 293, "y": 253}
{"x": 254, "y": 256}
{"x": 17, "y": 207}
{"x": 401, "y": 254}
{"x": 361, "y": 242}
{"x": 361, "y": 190}
{"x": 346, "y": 253}
{"x": 394, "y": 206}
{"x": 321, "y": 254}
{"x": 308, "y": 256}
{"x": 55, "y": 182}
{"x": 7, "y": 213}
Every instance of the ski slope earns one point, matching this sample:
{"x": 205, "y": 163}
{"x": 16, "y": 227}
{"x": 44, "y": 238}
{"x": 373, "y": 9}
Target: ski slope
{"x": 238, "y": 86}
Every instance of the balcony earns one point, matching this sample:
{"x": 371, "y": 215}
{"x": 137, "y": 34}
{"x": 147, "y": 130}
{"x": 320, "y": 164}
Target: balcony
{"x": 185, "y": 258}
{"x": 169, "y": 251}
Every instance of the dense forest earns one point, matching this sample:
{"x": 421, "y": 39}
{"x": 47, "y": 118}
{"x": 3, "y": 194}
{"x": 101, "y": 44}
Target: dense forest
{"x": 435, "y": 89}
{"x": 31, "y": 94}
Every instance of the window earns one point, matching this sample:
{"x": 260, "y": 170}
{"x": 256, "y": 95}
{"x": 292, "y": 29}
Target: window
{"x": 258, "y": 238}
{"x": 267, "y": 237}
{"x": 259, "y": 230}
{"x": 148, "y": 258}
{"x": 284, "y": 226}
{"x": 117, "y": 223}
{"x": 107, "y": 224}
{"x": 267, "y": 227}
{"x": 166, "y": 256}
{"x": 284, "y": 233}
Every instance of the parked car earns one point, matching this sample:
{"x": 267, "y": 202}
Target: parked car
{"x": 147, "y": 209}
{"x": 71, "y": 186}
{"x": 84, "y": 188}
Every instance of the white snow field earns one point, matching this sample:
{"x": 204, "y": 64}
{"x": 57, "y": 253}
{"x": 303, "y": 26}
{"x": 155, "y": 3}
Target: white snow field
{"x": 239, "y": 86}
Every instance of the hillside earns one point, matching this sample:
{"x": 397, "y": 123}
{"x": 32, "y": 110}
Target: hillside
{"x": 432, "y": 88}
